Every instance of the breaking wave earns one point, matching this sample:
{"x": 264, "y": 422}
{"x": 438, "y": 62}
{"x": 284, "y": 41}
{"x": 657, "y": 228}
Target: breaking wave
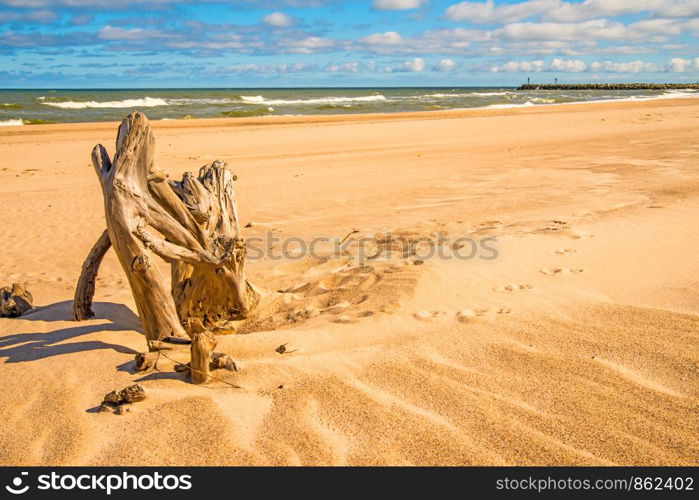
{"x": 146, "y": 102}
{"x": 258, "y": 99}
{"x": 11, "y": 123}
{"x": 505, "y": 106}
{"x": 469, "y": 94}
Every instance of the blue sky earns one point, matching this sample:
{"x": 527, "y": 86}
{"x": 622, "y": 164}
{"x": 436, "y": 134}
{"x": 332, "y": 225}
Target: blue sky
{"x": 247, "y": 43}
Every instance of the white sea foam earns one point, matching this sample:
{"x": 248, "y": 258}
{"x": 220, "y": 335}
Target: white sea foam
{"x": 258, "y": 99}
{"x": 505, "y": 106}
{"x": 677, "y": 94}
{"x": 440, "y": 96}
{"x": 11, "y": 123}
{"x": 467, "y": 94}
{"x": 489, "y": 93}
{"x": 146, "y": 102}
{"x": 669, "y": 94}
{"x": 205, "y": 100}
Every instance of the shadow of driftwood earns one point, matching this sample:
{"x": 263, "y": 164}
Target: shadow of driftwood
{"x": 118, "y": 314}
{"x": 128, "y": 367}
{"x": 164, "y": 376}
{"x": 19, "y": 347}
{"x": 182, "y": 377}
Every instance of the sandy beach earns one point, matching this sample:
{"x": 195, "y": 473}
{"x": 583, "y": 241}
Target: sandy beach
{"x": 576, "y": 345}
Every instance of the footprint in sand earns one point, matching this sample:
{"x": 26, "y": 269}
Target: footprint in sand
{"x": 363, "y": 298}
{"x": 395, "y": 268}
{"x": 288, "y": 298}
{"x": 468, "y": 315}
{"x": 564, "y": 251}
{"x": 298, "y": 287}
{"x": 345, "y": 319}
{"x": 514, "y": 287}
{"x": 578, "y": 234}
{"x": 336, "y": 308}
{"x": 429, "y": 315}
{"x": 561, "y": 270}
{"x": 389, "y": 308}
{"x": 556, "y": 225}
{"x": 298, "y": 315}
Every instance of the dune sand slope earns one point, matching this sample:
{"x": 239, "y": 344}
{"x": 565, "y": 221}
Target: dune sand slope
{"x": 576, "y": 345}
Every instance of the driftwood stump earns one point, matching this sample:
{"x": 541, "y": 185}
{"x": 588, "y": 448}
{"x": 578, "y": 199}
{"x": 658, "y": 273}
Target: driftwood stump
{"x": 211, "y": 295}
{"x": 203, "y": 345}
{"x": 85, "y": 291}
{"x": 192, "y": 224}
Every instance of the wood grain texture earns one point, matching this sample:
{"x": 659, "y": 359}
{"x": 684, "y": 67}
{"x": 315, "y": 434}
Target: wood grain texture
{"x": 192, "y": 224}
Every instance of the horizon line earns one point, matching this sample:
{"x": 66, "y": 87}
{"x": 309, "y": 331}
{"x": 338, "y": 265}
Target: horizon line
{"x": 343, "y": 87}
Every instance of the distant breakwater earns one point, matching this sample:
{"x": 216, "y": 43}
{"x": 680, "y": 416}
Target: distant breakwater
{"x": 608, "y": 86}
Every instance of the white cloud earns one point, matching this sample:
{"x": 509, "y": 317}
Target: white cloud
{"x": 488, "y": 13}
{"x": 308, "y": 45}
{"x": 388, "y": 38}
{"x": 521, "y": 66}
{"x": 225, "y": 41}
{"x": 654, "y": 30}
{"x": 518, "y": 66}
{"x": 397, "y": 4}
{"x": 675, "y": 65}
{"x": 445, "y": 65}
{"x": 596, "y": 29}
{"x": 348, "y": 67}
{"x": 116, "y": 33}
{"x": 624, "y": 67}
{"x": 36, "y": 16}
{"x": 270, "y": 68}
{"x": 568, "y": 65}
{"x": 416, "y": 65}
{"x": 679, "y": 65}
{"x": 534, "y": 38}
{"x": 558, "y": 10}
{"x": 278, "y": 20}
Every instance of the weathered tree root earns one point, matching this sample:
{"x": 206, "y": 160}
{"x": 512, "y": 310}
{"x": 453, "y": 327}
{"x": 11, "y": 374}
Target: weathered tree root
{"x": 15, "y": 301}
{"x": 195, "y": 229}
{"x": 112, "y": 401}
{"x": 202, "y": 346}
{"x": 217, "y": 361}
{"x": 85, "y": 290}
{"x": 145, "y": 361}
